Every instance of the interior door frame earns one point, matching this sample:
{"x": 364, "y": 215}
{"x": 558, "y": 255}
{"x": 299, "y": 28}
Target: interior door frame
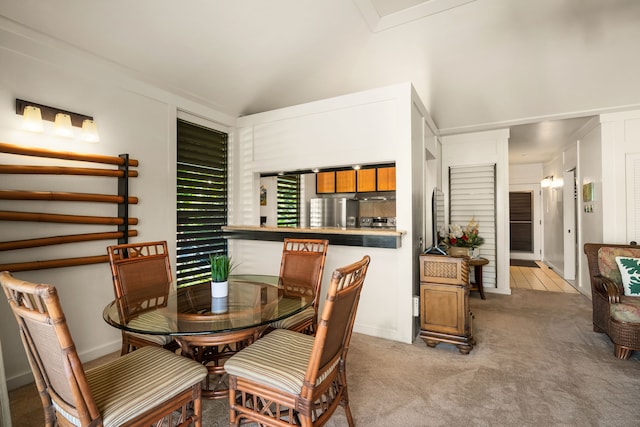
{"x": 535, "y": 189}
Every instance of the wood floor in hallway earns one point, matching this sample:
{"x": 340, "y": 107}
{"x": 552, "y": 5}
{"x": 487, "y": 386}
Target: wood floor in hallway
{"x": 539, "y": 279}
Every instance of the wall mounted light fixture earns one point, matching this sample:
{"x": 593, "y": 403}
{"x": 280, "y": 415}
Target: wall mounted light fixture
{"x": 64, "y": 120}
{"x": 546, "y": 182}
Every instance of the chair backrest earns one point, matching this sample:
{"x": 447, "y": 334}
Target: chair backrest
{"x": 302, "y": 266}
{"x": 55, "y": 364}
{"x": 444, "y": 269}
{"x": 592, "y": 251}
{"x": 333, "y": 336}
{"x": 142, "y": 272}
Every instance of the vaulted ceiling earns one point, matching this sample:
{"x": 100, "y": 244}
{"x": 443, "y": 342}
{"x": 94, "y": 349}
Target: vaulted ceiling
{"x": 476, "y": 64}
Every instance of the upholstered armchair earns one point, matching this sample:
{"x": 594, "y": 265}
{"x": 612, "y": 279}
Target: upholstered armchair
{"x": 614, "y": 313}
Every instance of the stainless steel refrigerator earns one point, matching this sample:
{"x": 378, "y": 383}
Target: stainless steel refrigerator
{"x": 337, "y": 212}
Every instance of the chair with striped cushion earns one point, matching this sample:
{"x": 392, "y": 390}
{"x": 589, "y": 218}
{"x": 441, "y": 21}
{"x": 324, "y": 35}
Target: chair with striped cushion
{"x": 301, "y": 270}
{"x": 289, "y": 378}
{"x": 143, "y": 270}
{"x": 149, "y": 386}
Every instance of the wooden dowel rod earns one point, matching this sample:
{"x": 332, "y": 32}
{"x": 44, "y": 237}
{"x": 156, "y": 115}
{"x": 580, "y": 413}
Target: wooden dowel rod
{"x": 60, "y": 196}
{"x": 58, "y": 240}
{"x": 59, "y": 218}
{"x": 67, "y": 155}
{"x": 53, "y": 263}
{"x": 62, "y": 170}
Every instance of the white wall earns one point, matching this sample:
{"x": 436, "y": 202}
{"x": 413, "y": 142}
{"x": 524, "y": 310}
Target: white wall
{"x": 485, "y": 148}
{"x": 590, "y": 223}
{"x": 364, "y": 128}
{"x": 132, "y": 117}
{"x": 620, "y": 137}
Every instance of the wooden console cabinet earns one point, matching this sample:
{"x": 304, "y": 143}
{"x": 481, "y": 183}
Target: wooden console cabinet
{"x": 444, "y": 302}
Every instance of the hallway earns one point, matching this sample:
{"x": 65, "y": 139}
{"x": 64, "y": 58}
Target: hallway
{"x": 539, "y": 279}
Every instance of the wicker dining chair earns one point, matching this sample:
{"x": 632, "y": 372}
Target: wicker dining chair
{"x": 143, "y": 270}
{"x": 289, "y": 378}
{"x": 301, "y": 270}
{"x": 148, "y": 386}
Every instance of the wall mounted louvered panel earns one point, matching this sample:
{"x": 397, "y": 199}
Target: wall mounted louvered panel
{"x": 201, "y": 200}
{"x": 472, "y": 194}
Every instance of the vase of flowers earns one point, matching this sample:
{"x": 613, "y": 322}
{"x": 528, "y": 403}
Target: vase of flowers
{"x": 464, "y": 241}
{"x": 221, "y": 266}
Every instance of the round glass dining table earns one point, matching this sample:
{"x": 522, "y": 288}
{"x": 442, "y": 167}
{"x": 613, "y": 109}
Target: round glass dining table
{"x": 208, "y": 329}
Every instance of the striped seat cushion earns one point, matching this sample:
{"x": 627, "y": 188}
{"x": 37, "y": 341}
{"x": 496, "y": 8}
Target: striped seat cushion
{"x": 278, "y": 360}
{"x": 306, "y": 314}
{"x": 151, "y": 321}
{"x": 134, "y": 383}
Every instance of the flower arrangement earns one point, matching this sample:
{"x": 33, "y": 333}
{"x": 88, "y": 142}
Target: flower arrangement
{"x": 466, "y": 238}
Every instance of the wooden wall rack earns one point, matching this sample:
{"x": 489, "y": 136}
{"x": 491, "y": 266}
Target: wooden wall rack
{"x": 123, "y": 221}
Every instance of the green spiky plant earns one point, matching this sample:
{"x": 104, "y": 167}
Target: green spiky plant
{"x": 221, "y": 266}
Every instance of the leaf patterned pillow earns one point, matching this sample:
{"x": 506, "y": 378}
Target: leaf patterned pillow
{"x": 607, "y": 263}
{"x": 630, "y": 273}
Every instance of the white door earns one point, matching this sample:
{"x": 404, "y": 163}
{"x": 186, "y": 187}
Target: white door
{"x": 569, "y": 221}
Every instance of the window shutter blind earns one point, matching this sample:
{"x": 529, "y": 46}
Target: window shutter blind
{"x": 472, "y": 192}
{"x": 288, "y": 201}
{"x": 201, "y": 200}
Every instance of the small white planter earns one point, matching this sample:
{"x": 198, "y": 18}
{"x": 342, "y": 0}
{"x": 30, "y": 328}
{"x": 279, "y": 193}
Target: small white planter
{"x": 219, "y": 289}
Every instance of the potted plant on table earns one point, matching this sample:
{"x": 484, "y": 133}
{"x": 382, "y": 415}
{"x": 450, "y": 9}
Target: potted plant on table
{"x": 464, "y": 241}
{"x": 221, "y": 267}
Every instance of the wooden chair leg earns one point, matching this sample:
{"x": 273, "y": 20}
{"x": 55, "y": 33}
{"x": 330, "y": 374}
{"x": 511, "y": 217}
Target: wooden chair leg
{"x": 622, "y": 352}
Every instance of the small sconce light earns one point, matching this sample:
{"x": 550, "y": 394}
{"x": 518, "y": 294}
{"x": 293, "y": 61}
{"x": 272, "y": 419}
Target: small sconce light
{"x": 63, "y": 125}
{"x": 315, "y": 170}
{"x": 547, "y": 181}
{"x": 64, "y": 120}
{"x": 89, "y": 131}
{"x": 356, "y": 167}
{"x": 32, "y": 119}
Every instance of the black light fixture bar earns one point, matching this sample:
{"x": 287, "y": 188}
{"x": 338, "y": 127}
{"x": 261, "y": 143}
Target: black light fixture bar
{"x": 49, "y": 113}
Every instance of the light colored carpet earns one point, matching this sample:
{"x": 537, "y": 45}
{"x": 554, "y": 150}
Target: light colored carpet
{"x": 537, "y": 363}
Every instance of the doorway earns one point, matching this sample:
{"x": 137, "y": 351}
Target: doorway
{"x": 524, "y": 222}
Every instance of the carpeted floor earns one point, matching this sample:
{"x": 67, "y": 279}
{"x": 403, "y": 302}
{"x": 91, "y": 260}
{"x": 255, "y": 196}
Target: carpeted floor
{"x": 537, "y": 363}
{"x": 523, "y": 263}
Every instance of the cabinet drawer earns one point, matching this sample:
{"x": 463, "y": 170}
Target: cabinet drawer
{"x": 443, "y": 308}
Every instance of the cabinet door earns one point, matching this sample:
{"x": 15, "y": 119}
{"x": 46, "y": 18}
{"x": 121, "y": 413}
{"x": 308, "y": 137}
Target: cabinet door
{"x": 346, "y": 181}
{"x": 442, "y": 308}
{"x": 387, "y": 179}
{"x": 366, "y": 180}
{"x": 325, "y": 182}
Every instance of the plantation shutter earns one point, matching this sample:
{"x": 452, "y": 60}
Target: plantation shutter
{"x": 472, "y": 194}
{"x": 201, "y": 200}
{"x": 288, "y": 201}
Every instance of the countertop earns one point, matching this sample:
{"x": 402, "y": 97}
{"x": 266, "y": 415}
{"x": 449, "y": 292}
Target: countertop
{"x": 382, "y": 238}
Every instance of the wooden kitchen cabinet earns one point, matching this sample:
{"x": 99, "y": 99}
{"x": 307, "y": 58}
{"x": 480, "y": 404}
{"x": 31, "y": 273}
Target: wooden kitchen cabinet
{"x": 325, "y": 182}
{"x": 444, "y": 302}
{"x": 367, "y": 180}
{"x": 346, "y": 181}
{"x": 387, "y": 179}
